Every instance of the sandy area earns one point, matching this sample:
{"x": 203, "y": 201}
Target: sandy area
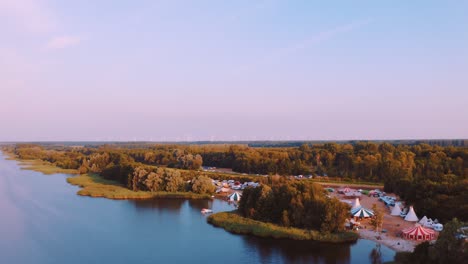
{"x": 393, "y": 224}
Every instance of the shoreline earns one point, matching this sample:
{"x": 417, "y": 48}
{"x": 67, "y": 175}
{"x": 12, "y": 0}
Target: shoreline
{"x": 234, "y": 223}
{"x": 403, "y": 246}
{"x": 93, "y": 185}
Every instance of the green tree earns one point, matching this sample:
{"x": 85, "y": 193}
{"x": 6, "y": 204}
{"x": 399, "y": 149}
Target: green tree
{"x": 377, "y": 219}
{"x": 173, "y": 181}
{"x": 202, "y": 184}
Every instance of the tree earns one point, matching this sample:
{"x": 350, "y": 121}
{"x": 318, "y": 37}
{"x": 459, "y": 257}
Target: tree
{"x": 448, "y": 247}
{"x": 173, "y": 181}
{"x": 377, "y": 219}
{"x": 202, "y": 184}
{"x": 285, "y": 219}
{"x": 335, "y": 215}
{"x": 155, "y": 181}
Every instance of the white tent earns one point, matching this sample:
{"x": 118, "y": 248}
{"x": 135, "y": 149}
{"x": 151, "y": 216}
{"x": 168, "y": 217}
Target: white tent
{"x": 411, "y": 216}
{"x": 362, "y": 212}
{"x": 396, "y": 210}
{"x": 423, "y": 221}
{"x": 356, "y": 204}
{"x": 235, "y": 197}
{"x": 222, "y": 190}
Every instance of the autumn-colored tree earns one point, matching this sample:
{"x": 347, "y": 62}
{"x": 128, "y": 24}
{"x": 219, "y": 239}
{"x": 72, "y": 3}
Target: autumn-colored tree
{"x": 202, "y": 184}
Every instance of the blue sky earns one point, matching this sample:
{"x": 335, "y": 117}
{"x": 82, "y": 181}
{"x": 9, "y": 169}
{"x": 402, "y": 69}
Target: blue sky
{"x": 233, "y": 70}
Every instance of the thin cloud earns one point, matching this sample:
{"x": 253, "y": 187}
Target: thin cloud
{"x": 62, "y": 42}
{"x": 311, "y": 41}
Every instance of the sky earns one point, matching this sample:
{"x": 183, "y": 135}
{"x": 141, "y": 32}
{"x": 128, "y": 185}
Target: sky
{"x": 232, "y": 70}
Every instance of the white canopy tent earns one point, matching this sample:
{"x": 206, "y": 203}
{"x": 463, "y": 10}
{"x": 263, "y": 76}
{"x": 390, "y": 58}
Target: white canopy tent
{"x": 235, "y": 197}
{"x": 396, "y": 210}
{"x": 356, "y": 204}
{"x": 362, "y": 212}
{"x": 423, "y": 221}
{"x": 411, "y": 216}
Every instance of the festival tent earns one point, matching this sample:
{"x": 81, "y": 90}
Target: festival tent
{"x": 411, "y": 216}
{"x": 356, "y": 204}
{"x": 362, "y": 212}
{"x": 353, "y": 193}
{"x": 396, "y": 210}
{"x": 223, "y": 190}
{"x": 235, "y": 197}
{"x": 418, "y": 233}
{"x": 425, "y": 222}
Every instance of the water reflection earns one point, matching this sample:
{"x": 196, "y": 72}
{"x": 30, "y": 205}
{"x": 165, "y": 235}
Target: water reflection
{"x": 298, "y": 251}
{"x": 173, "y": 205}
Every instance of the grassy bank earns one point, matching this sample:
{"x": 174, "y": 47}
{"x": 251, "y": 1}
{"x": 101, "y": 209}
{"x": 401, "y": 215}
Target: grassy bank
{"x": 44, "y": 167}
{"x": 95, "y": 186}
{"x": 234, "y": 223}
{"x": 38, "y": 165}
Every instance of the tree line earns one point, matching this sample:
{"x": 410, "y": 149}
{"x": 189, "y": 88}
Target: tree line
{"x": 432, "y": 178}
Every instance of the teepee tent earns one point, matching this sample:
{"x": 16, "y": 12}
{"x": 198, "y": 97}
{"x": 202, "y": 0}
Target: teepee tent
{"x": 419, "y": 233}
{"x": 411, "y": 216}
{"x": 423, "y": 221}
{"x": 235, "y": 197}
{"x": 356, "y": 204}
{"x": 396, "y": 210}
{"x": 362, "y": 212}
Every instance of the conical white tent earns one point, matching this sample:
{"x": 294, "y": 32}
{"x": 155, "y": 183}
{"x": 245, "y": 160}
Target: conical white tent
{"x": 356, "y": 204}
{"x": 235, "y": 197}
{"x": 362, "y": 212}
{"x": 411, "y": 216}
{"x": 423, "y": 221}
{"x": 396, "y": 210}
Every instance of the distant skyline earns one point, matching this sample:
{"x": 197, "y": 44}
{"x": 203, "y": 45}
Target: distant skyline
{"x": 233, "y": 70}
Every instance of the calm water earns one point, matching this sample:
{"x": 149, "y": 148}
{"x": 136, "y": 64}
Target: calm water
{"x": 42, "y": 220}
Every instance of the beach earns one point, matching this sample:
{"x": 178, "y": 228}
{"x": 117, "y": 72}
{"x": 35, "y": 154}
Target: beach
{"x": 392, "y": 224}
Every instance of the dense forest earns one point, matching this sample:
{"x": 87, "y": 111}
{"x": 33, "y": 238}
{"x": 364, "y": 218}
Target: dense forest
{"x": 432, "y": 178}
{"x": 300, "y": 204}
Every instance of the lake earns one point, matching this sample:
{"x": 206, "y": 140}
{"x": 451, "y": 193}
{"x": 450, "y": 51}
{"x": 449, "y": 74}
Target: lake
{"x": 42, "y": 220}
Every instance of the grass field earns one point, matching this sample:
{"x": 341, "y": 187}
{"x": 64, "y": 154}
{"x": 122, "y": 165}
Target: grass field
{"x": 95, "y": 186}
{"x": 44, "y": 167}
{"x": 237, "y": 224}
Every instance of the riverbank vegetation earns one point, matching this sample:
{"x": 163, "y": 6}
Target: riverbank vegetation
{"x": 44, "y": 167}
{"x": 234, "y": 223}
{"x": 95, "y": 186}
{"x": 298, "y": 204}
{"x": 432, "y": 178}
{"x": 283, "y": 208}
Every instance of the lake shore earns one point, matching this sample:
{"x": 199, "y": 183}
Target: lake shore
{"x": 93, "y": 185}
{"x": 234, "y": 223}
{"x": 397, "y": 244}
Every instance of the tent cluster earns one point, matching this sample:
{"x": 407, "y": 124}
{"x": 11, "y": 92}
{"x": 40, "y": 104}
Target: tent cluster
{"x": 422, "y": 230}
{"x": 350, "y": 192}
